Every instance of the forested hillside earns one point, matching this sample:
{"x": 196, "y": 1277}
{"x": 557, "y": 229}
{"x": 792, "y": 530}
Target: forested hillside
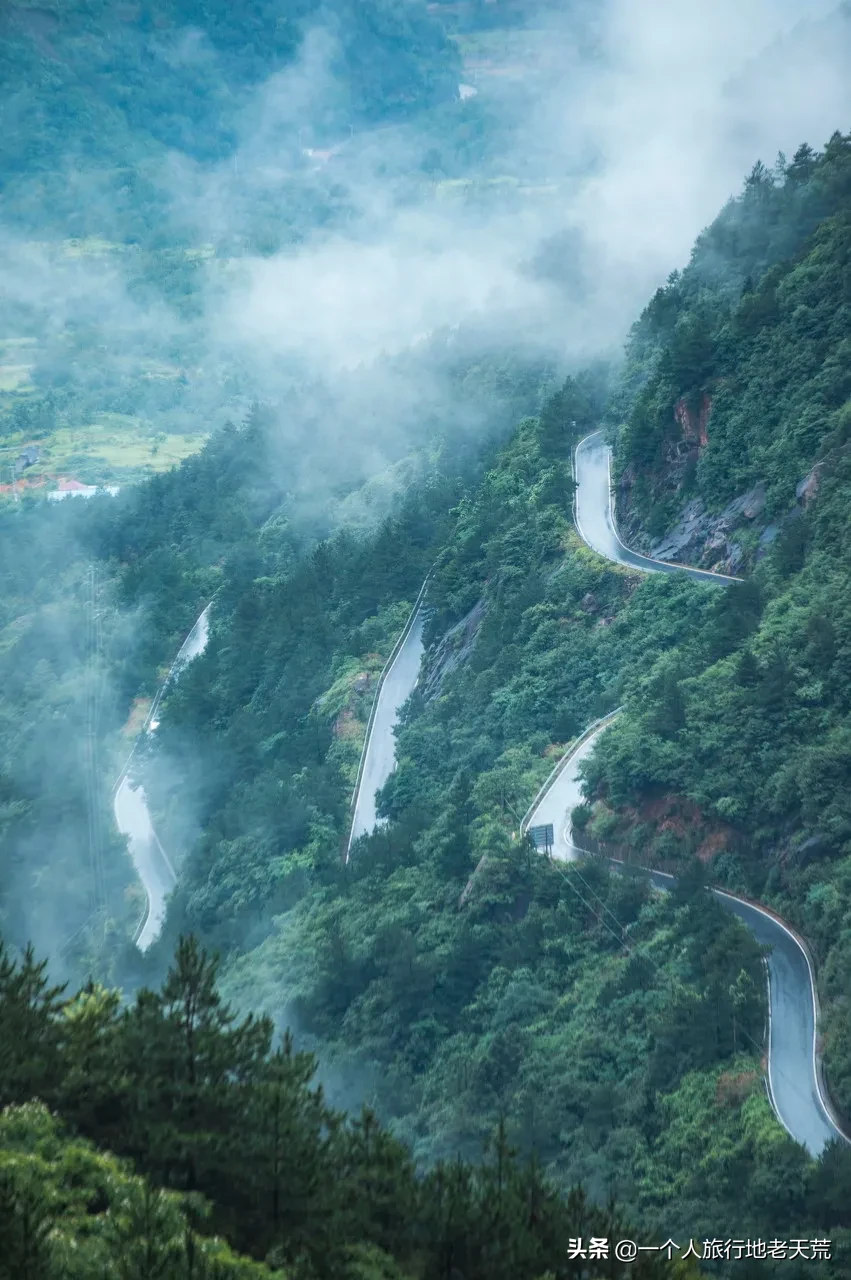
{"x": 379, "y": 967}
{"x": 94, "y": 90}
{"x": 736, "y": 746}
{"x": 737, "y": 372}
{"x": 96, "y": 601}
{"x": 98, "y": 598}
{"x": 222, "y": 1141}
{"x": 447, "y": 970}
{"x": 278, "y": 245}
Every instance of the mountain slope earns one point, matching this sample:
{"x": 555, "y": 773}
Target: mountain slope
{"x": 737, "y": 372}
{"x": 460, "y": 999}
{"x": 112, "y": 84}
{"x": 454, "y": 1005}
{"x": 216, "y": 1133}
{"x": 737, "y": 747}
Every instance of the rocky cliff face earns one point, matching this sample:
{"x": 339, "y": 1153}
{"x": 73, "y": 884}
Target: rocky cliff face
{"x": 728, "y": 541}
{"x": 694, "y": 426}
{"x": 710, "y": 540}
{"x": 454, "y": 648}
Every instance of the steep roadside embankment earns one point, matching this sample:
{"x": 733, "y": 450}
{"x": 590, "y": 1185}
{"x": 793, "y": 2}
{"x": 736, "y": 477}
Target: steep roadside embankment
{"x": 378, "y": 759}
{"x": 595, "y": 520}
{"x": 793, "y": 1067}
{"x": 132, "y": 817}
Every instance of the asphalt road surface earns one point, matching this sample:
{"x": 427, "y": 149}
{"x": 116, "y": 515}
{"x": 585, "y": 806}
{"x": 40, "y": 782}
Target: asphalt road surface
{"x": 149, "y": 858}
{"x": 595, "y": 521}
{"x": 791, "y": 1055}
{"x": 793, "y": 1078}
{"x": 133, "y": 819}
{"x": 380, "y": 760}
{"x": 560, "y": 801}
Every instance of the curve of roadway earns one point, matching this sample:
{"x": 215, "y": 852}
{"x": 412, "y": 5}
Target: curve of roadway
{"x": 132, "y": 817}
{"x": 793, "y": 1074}
{"x": 380, "y": 752}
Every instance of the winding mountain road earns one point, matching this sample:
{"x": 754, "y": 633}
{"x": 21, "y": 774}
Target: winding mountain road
{"x": 132, "y": 817}
{"x": 380, "y": 749}
{"x": 563, "y": 795}
{"x": 793, "y": 1071}
{"x": 794, "y": 1078}
{"x": 595, "y": 521}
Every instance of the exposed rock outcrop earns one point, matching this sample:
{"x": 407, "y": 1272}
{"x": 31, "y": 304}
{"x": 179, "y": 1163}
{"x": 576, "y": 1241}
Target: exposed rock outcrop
{"x": 700, "y": 536}
{"x": 707, "y": 540}
{"x": 455, "y": 648}
{"x": 768, "y": 535}
{"x": 809, "y": 486}
{"x": 694, "y": 426}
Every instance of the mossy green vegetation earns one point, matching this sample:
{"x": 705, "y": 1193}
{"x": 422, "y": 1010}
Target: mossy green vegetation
{"x": 222, "y": 1141}
{"x": 741, "y": 727}
{"x": 449, "y": 972}
{"x": 752, "y": 337}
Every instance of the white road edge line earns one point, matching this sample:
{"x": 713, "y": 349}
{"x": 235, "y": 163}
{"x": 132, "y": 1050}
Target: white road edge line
{"x": 388, "y": 667}
{"x": 826, "y": 1109}
{"x": 122, "y": 777}
{"x": 771, "y": 915}
{"x": 639, "y": 555}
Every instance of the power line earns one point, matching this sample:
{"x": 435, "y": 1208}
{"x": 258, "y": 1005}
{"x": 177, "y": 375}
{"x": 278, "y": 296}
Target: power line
{"x": 603, "y": 904}
{"x": 592, "y": 891}
{"x": 647, "y": 955}
{"x": 618, "y": 937}
{"x": 97, "y": 678}
{"x": 91, "y": 746}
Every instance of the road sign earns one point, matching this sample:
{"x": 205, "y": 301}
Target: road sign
{"x": 542, "y": 837}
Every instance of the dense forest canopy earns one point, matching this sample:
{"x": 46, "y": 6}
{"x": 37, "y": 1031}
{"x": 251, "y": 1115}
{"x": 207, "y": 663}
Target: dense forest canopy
{"x": 764, "y": 341}
{"x": 230, "y": 1135}
{"x": 329, "y": 292}
{"x": 112, "y": 83}
{"x": 752, "y": 335}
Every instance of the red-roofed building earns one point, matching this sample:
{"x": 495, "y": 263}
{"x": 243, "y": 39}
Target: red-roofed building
{"x": 68, "y": 488}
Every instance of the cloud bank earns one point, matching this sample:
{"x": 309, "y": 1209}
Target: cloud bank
{"x": 541, "y": 212}
{"x": 632, "y": 149}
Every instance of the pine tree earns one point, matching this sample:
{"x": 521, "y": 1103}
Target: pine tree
{"x": 90, "y": 1094}
{"x": 378, "y": 1185}
{"x": 25, "y": 1225}
{"x": 147, "y": 1235}
{"x": 189, "y": 1067}
{"x": 30, "y": 1063}
{"x": 289, "y": 1206}
{"x": 803, "y": 165}
{"x": 448, "y": 1221}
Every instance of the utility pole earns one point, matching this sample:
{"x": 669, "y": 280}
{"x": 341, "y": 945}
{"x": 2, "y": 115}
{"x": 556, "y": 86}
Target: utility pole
{"x": 92, "y": 726}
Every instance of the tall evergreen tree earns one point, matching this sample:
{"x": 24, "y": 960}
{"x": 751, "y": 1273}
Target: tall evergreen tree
{"x": 30, "y": 1064}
